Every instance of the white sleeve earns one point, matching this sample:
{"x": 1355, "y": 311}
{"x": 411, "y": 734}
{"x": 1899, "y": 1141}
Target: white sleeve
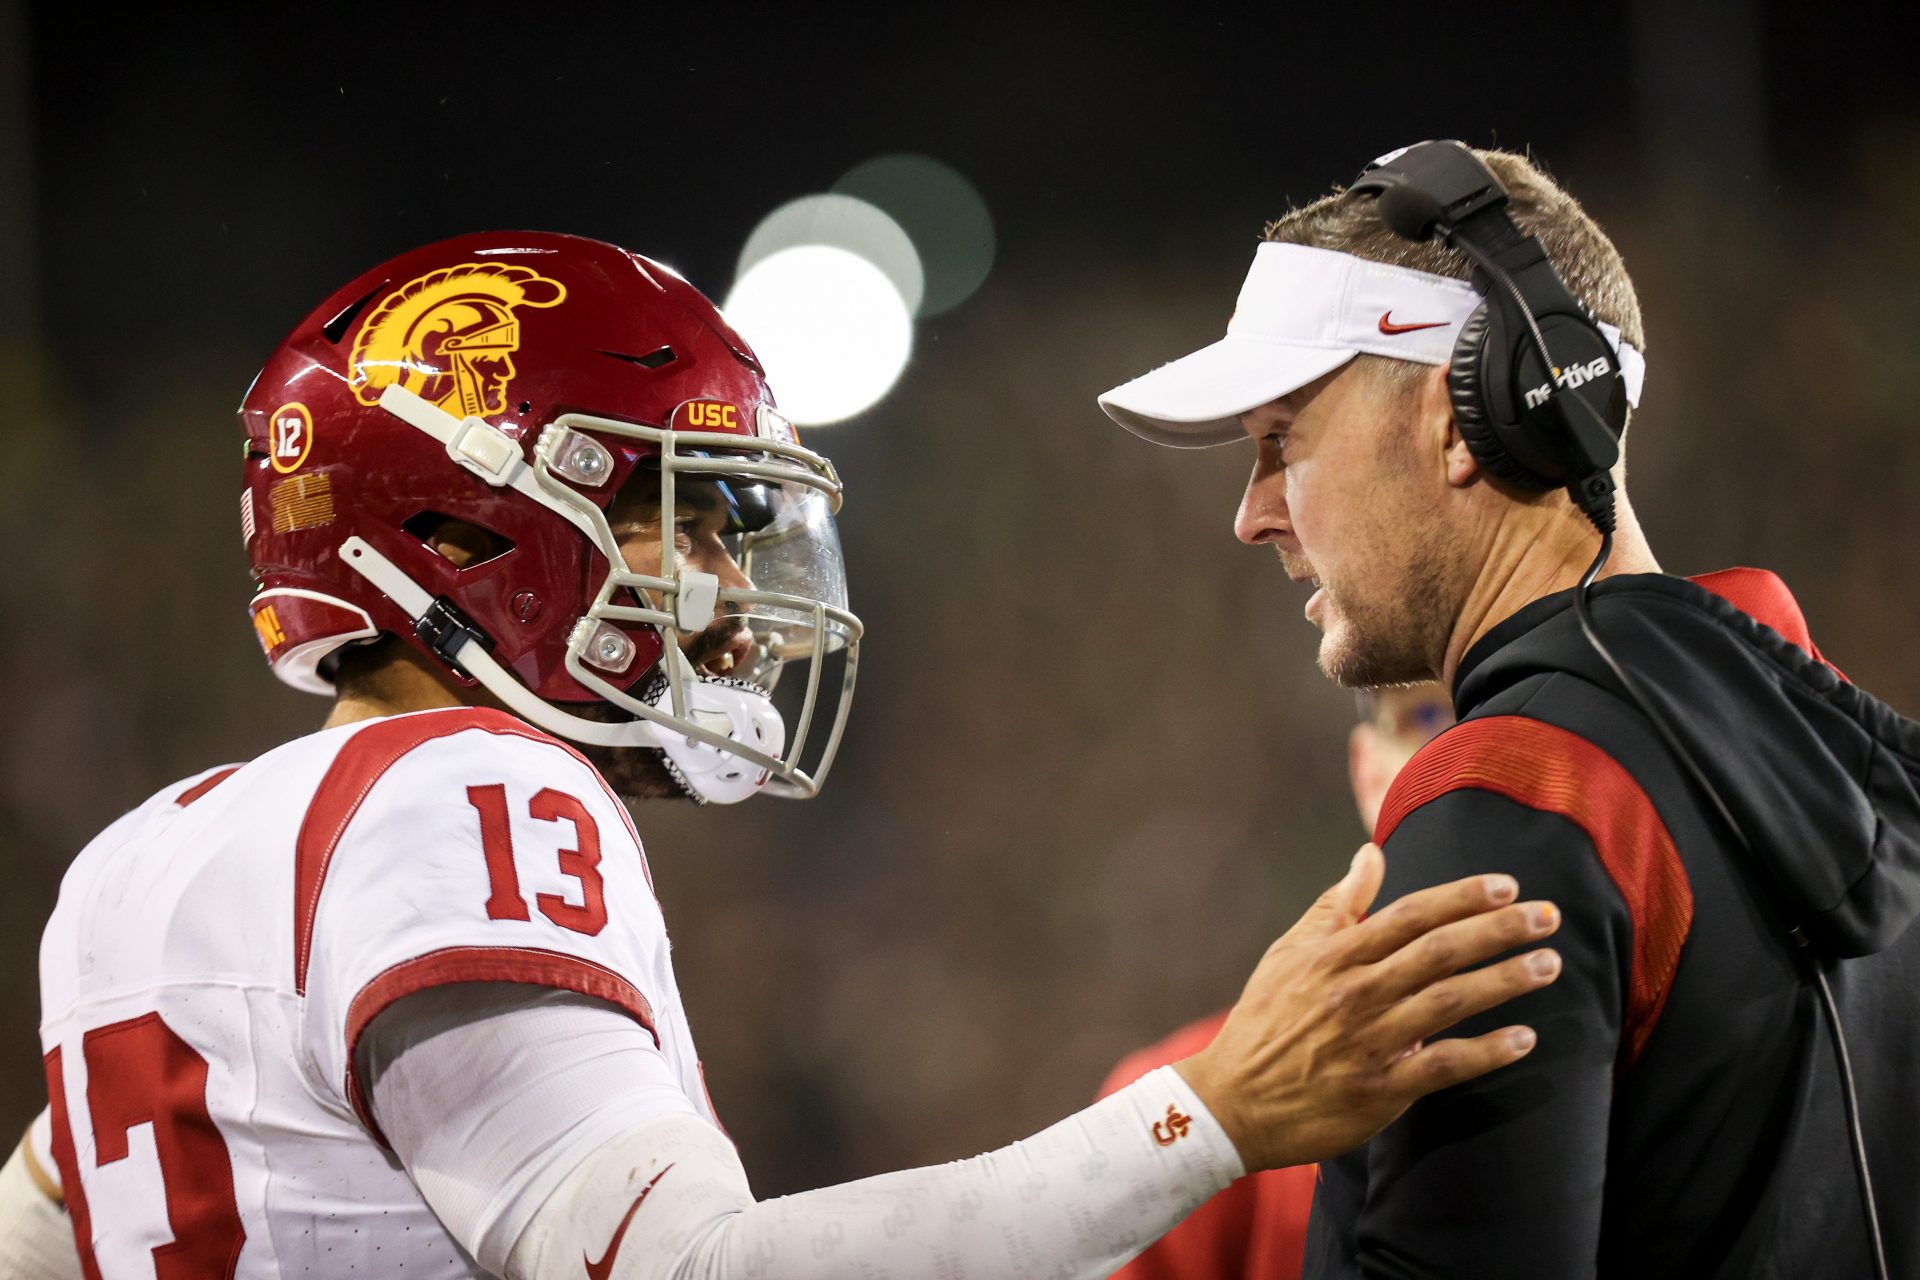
{"x": 36, "y": 1238}
{"x": 478, "y": 856}
{"x": 489, "y": 1093}
{"x": 583, "y": 1148}
{"x": 1074, "y": 1202}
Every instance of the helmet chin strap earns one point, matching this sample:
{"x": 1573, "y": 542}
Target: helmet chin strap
{"x": 739, "y": 713}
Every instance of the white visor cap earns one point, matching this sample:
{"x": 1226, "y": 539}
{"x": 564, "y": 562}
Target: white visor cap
{"x": 1304, "y": 312}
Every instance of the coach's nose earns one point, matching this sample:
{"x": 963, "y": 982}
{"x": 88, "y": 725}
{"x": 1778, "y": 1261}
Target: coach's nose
{"x": 1262, "y": 517}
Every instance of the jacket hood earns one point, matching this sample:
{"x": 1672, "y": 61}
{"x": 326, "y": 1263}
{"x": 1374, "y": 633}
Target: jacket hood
{"x": 1822, "y": 777}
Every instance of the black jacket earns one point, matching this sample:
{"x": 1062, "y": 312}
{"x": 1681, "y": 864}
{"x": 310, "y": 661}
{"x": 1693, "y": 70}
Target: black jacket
{"x": 1681, "y": 1115}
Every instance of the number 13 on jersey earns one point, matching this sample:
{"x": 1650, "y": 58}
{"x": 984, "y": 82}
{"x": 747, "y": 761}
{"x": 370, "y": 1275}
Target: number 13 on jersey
{"x": 505, "y": 901}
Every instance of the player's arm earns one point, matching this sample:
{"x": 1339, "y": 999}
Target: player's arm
{"x": 1318, "y": 1054}
{"x": 36, "y": 1239}
{"x": 1502, "y": 1176}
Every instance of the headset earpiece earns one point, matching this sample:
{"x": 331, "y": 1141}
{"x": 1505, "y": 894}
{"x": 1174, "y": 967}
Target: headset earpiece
{"x": 1535, "y": 420}
{"x": 1466, "y": 387}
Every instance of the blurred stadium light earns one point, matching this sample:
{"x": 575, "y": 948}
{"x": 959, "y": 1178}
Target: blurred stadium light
{"x": 827, "y": 285}
{"x": 825, "y": 293}
{"x": 941, "y": 211}
{"x": 830, "y": 327}
{"x": 843, "y": 222}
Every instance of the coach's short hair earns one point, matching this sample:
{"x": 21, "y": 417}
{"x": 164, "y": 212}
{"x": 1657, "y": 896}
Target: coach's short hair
{"x": 1579, "y": 250}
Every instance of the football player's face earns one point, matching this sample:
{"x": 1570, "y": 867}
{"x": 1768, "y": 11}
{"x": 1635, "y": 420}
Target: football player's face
{"x": 1339, "y": 489}
{"x": 695, "y": 531}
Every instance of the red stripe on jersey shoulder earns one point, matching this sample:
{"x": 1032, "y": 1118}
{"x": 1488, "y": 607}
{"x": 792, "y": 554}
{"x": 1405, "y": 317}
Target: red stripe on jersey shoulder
{"x": 533, "y": 966}
{"x": 1547, "y": 768}
{"x": 205, "y": 785}
{"x": 360, "y": 764}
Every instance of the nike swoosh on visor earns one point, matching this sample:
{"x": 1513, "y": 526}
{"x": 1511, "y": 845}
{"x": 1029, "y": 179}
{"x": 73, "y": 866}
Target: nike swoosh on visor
{"x": 1388, "y": 326}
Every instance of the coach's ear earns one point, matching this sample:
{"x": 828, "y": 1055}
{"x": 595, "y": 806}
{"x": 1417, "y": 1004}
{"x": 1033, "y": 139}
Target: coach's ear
{"x": 1435, "y": 409}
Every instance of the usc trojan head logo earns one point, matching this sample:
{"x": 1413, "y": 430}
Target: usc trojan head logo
{"x": 450, "y": 336}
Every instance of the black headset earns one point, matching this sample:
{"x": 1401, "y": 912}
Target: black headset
{"x": 1541, "y": 401}
{"x": 1536, "y": 420}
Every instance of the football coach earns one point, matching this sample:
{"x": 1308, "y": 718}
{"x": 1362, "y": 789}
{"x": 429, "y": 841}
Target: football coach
{"x": 1435, "y": 367}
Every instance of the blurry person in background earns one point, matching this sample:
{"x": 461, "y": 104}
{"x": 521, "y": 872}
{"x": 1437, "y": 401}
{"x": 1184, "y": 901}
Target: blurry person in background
{"x": 1257, "y": 1228}
{"x": 1436, "y": 368}
{"x": 1395, "y": 723}
{"x": 396, "y": 997}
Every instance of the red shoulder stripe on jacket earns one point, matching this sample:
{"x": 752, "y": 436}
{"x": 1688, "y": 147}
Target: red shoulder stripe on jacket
{"x": 1548, "y": 768}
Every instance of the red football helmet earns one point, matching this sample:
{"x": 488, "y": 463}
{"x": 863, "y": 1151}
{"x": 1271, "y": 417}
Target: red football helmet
{"x": 514, "y": 382}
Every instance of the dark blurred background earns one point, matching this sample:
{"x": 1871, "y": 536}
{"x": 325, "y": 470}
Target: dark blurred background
{"x": 1092, "y": 768}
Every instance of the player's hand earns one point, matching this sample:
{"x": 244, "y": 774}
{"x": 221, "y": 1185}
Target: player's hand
{"x": 1327, "y": 1043}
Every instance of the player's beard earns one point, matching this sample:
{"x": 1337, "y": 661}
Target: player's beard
{"x": 641, "y": 773}
{"x": 634, "y": 773}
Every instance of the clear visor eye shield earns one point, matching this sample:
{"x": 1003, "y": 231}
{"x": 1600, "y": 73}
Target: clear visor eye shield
{"x": 1304, "y": 312}
{"x": 721, "y": 736}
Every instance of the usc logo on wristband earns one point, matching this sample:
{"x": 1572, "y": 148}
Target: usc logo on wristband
{"x": 1173, "y": 1128}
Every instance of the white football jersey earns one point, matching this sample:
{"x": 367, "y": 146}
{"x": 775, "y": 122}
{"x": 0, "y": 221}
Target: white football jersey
{"x": 217, "y": 952}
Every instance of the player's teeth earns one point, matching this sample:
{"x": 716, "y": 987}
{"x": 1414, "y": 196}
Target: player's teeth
{"x": 726, "y": 662}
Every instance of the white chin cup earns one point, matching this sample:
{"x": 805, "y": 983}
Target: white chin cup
{"x": 745, "y": 716}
